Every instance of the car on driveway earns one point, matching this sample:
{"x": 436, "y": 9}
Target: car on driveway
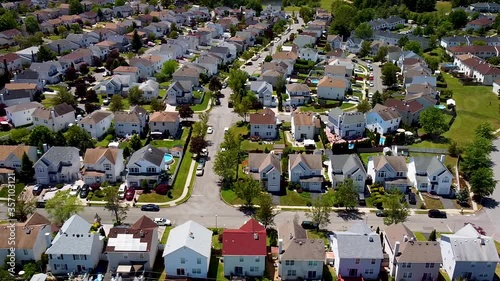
{"x": 129, "y": 194}
{"x": 372, "y": 84}
{"x": 249, "y": 63}
{"x": 199, "y": 173}
{"x": 106, "y": 102}
{"x": 309, "y": 225}
{"x": 84, "y": 192}
{"x": 437, "y": 214}
{"x": 380, "y": 213}
{"x": 162, "y": 222}
{"x": 74, "y": 190}
{"x": 150, "y": 208}
{"x": 210, "y": 130}
{"x": 38, "y": 188}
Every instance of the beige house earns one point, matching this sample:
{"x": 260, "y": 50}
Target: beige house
{"x": 164, "y": 122}
{"x": 102, "y": 164}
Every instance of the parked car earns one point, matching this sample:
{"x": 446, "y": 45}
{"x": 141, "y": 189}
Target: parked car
{"x": 309, "y": 225}
{"x": 437, "y": 214}
{"x": 74, "y": 190}
{"x": 249, "y": 63}
{"x": 150, "y": 208}
{"x": 162, "y": 222}
{"x": 412, "y": 198}
{"x": 41, "y": 203}
{"x": 84, "y": 192}
{"x": 199, "y": 173}
{"x": 129, "y": 195}
{"x": 372, "y": 84}
{"x": 210, "y": 130}
{"x": 38, "y": 188}
{"x": 381, "y": 213}
{"x": 121, "y": 191}
{"x": 106, "y": 102}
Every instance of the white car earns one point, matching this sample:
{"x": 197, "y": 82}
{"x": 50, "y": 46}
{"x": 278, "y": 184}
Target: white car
{"x": 74, "y": 190}
{"x": 199, "y": 173}
{"x": 372, "y": 84}
{"x": 210, "y": 130}
{"x": 223, "y": 149}
{"x": 162, "y": 222}
{"x": 370, "y": 95}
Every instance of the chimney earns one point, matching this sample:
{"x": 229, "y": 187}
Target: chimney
{"x": 142, "y": 234}
{"x": 48, "y": 239}
{"x": 280, "y": 246}
{"x": 405, "y": 238}
{"x": 5, "y": 66}
{"x": 33, "y": 58}
{"x": 483, "y": 242}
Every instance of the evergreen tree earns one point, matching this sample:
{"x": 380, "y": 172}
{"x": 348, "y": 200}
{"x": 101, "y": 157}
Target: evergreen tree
{"x": 136, "y": 41}
{"x": 27, "y": 170}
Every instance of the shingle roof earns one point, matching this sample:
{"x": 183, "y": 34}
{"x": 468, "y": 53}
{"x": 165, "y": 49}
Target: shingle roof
{"x": 135, "y": 238}
{"x": 397, "y": 233}
{"x": 297, "y": 87}
{"x": 163, "y": 116}
{"x": 346, "y": 162}
{"x": 23, "y": 106}
{"x": 260, "y": 161}
{"x": 429, "y": 164}
{"x": 313, "y": 161}
{"x": 303, "y": 118}
{"x": 421, "y": 252}
{"x": 332, "y": 82}
{"x": 73, "y": 238}
{"x": 385, "y": 112}
{"x": 398, "y": 163}
{"x": 96, "y": 117}
{"x": 126, "y": 117}
{"x": 358, "y": 242}
{"x": 266, "y": 117}
{"x": 92, "y": 155}
{"x": 61, "y": 155}
{"x": 26, "y": 233}
{"x": 411, "y": 106}
{"x": 17, "y": 150}
{"x": 305, "y": 250}
{"x": 190, "y": 235}
{"x": 149, "y": 153}
{"x": 468, "y": 245}
{"x": 248, "y": 240}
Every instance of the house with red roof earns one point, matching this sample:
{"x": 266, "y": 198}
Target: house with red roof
{"x": 409, "y": 110}
{"x": 244, "y": 250}
{"x": 479, "y": 23}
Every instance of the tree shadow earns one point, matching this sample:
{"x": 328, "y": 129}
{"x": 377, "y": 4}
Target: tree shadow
{"x": 489, "y": 203}
{"x": 248, "y": 211}
{"x": 350, "y": 214}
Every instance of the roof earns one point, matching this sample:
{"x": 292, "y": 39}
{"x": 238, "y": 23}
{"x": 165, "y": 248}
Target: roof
{"x": 134, "y": 69}
{"x": 20, "y": 86}
{"x": 148, "y": 153}
{"x": 332, "y": 82}
{"x": 313, "y": 161}
{"x": 346, "y": 162}
{"x": 189, "y": 235}
{"x": 10, "y": 57}
{"x": 481, "y": 21}
{"x": 74, "y": 238}
{"x": 126, "y": 117}
{"x": 303, "y": 118}
{"x": 95, "y": 117}
{"x": 260, "y": 161}
{"x": 23, "y": 106}
{"x": 186, "y": 72}
{"x": 266, "y": 117}
{"x": 398, "y": 163}
{"x": 27, "y": 74}
{"x": 17, "y": 150}
{"x": 285, "y": 56}
{"x": 289, "y": 231}
{"x": 248, "y": 240}
{"x": 359, "y": 242}
{"x": 411, "y": 106}
{"x": 135, "y": 238}
{"x": 163, "y": 116}
{"x": 347, "y": 117}
{"x": 61, "y": 155}
{"x": 468, "y": 245}
{"x": 59, "y": 110}
{"x": 297, "y": 87}
{"x": 305, "y": 249}
{"x": 421, "y": 252}
{"x": 386, "y": 113}
{"x": 397, "y": 233}
{"x": 26, "y": 233}
{"x": 92, "y": 155}
{"x": 431, "y": 165}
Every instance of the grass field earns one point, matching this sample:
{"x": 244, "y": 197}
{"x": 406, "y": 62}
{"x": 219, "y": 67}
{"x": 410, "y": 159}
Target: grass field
{"x": 443, "y": 7}
{"x": 293, "y": 198}
{"x": 204, "y": 105}
{"x": 172, "y": 143}
{"x": 5, "y": 190}
{"x": 48, "y": 102}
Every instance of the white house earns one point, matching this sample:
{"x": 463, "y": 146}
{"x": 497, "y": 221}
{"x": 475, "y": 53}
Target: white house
{"x": 306, "y": 170}
{"x": 145, "y": 164}
{"x": 132, "y": 122}
{"x": 308, "y": 54}
{"x": 188, "y": 250}
{"x": 132, "y": 245}
{"x": 20, "y": 114}
{"x": 303, "y": 40}
{"x": 97, "y": 123}
{"x": 244, "y": 250}
{"x": 298, "y": 94}
{"x": 32, "y": 239}
{"x": 164, "y": 122}
{"x": 265, "y": 168}
{"x": 469, "y": 254}
{"x": 429, "y": 174}
{"x": 57, "y": 118}
{"x": 58, "y": 164}
{"x": 264, "y": 91}
{"x": 496, "y": 87}
{"x": 382, "y": 119}
{"x": 390, "y": 171}
{"x": 347, "y": 125}
{"x": 347, "y": 166}
{"x": 150, "y": 90}
{"x": 18, "y": 93}
{"x": 357, "y": 252}
{"x": 179, "y": 92}
{"x": 11, "y": 159}
{"x": 264, "y": 124}
{"x": 305, "y": 125}
{"x": 332, "y": 88}
{"x": 102, "y": 164}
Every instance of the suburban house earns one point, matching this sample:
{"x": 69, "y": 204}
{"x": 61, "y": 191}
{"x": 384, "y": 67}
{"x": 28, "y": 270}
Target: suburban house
{"x": 429, "y": 174}
{"x": 32, "y": 238}
{"x": 264, "y": 125}
{"x": 305, "y": 125}
{"x": 390, "y": 171}
{"x": 164, "y": 122}
{"x": 298, "y": 94}
{"x": 485, "y": 7}
{"x": 47, "y": 71}
{"x": 244, "y": 250}
{"x": 179, "y": 92}
{"x": 335, "y": 41}
{"x": 272, "y": 76}
{"x": 97, "y": 123}
{"x": 132, "y": 71}
{"x": 264, "y": 91}
{"x": 353, "y": 45}
{"x": 408, "y": 110}
{"x": 29, "y": 76}
{"x": 468, "y": 254}
{"x": 306, "y": 170}
{"x": 57, "y": 118}
{"x": 382, "y": 119}
{"x": 11, "y": 157}
{"x": 186, "y": 73}
{"x": 150, "y": 89}
{"x": 21, "y": 114}
{"x": 308, "y": 54}
{"x": 59, "y": 164}
{"x": 13, "y": 62}
{"x": 18, "y": 93}
{"x": 338, "y": 70}
{"x": 102, "y": 165}
{"x": 410, "y": 259}
{"x": 131, "y": 247}
{"x": 347, "y": 125}
{"x": 347, "y": 166}
{"x": 332, "y": 88}
{"x": 75, "y": 248}
{"x": 132, "y": 122}
{"x": 188, "y": 250}
{"x": 147, "y": 164}
{"x": 357, "y": 252}
{"x": 479, "y": 23}
{"x": 265, "y": 168}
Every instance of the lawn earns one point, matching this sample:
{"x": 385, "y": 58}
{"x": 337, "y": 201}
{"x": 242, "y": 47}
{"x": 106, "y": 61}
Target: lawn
{"x": 364, "y": 156}
{"x": 290, "y": 9}
{"x": 165, "y": 235}
{"x": 204, "y": 105}
{"x": 448, "y": 160}
{"x": 230, "y": 197}
{"x": 5, "y": 190}
{"x": 443, "y": 7}
{"x": 313, "y": 234}
{"x": 216, "y": 269}
{"x": 105, "y": 141}
{"x": 293, "y": 198}
{"x": 48, "y": 102}
{"x": 420, "y": 236}
{"x": 240, "y": 129}
{"x": 432, "y": 203}
{"x": 326, "y": 4}
{"x": 347, "y": 105}
{"x": 172, "y": 143}
{"x": 248, "y": 145}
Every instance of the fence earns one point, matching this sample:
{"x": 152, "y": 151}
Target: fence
{"x": 428, "y": 150}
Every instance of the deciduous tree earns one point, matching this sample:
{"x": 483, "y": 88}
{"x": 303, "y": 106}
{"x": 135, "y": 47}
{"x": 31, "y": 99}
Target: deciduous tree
{"x": 45, "y": 54}
{"x": 62, "y": 206}
{"x": 27, "y": 171}
{"x": 364, "y": 31}
{"x": 214, "y": 85}
{"x": 248, "y": 190}
{"x": 24, "y": 208}
{"x": 482, "y": 182}
{"x": 243, "y": 107}
{"x": 236, "y": 81}
{"x": 157, "y": 105}
{"x": 458, "y": 18}
{"x": 365, "y": 49}
{"x": 347, "y": 194}
{"x": 433, "y": 121}
{"x": 41, "y": 135}
{"x": 185, "y": 112}
{"x": 117, "y": 103}
{"x": 463, "y": 196}
{"x": 31, "y": 24}
{"x": 197, "y": 144}
{"x": 113, "y": 204}
{"x": 135, "y": 142}
{"x": 135, "y": 95}
{"x": 485, "y": 130}
{"x": 389, "y": 74}
{"x": 266, "y": 213}
{"x": 78, "y": 137}
{"x": 396, "y": 211}
{"x": 64, "y": 96}
{"x": 320, "y": 211}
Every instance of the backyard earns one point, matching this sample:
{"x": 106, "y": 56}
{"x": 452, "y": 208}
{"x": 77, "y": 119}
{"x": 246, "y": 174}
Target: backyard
{"x": 173, "y": 143}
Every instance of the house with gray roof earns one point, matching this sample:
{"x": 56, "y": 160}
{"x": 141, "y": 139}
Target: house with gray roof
{"x": 57, "y": 118}
{"x": 48, "y": 72}
{"x": 382, "y": 119}
{"x": 298, "y": 94}
{"x": 264, "y": 91}
{"x": 429, "y": 174}
{"x": 60, "y": 164}
{"x": 21, "y": 114}
{"x": 62, "y": 45}
{"x": 185, "y": 73}
{"x": 357, "y": 252}
{"x": 131, "y": 122}
{"x": 265, "y": 168}
{"x": 179, "y": 92}
{"x": 97, "y": 123}
{"x": 146, "y": 163}
{"x": 306, "y": 170}
{"x": 390, "y": 171}
{"x": 347, "y": 166}
{"x": 469, "y": 254}
{"x": 29, "y": 76}
{"x": 74, "y": 249}
{"x": 347, "y": 125}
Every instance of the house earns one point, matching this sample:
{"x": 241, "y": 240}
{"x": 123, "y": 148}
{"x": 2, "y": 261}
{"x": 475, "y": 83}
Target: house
{"x": 353, "y": 45}
{"x": 186, "y": 73}
{"x": 102, "y": 165}
{"x": 479, "y": 23}
{"x": 299, "y": 257}
{"x": 410, "y": 259}
{"x": 302, "y": 40}
{"x": 390, "y": 171}
{"x": 483, "y": 52}
{"x": 147, "y": 164}
{"x": 335, "y": 41}
{"x": 150, "y": 89}
{"x": 97, "y": 123}
{"x": 62, "y": 46}
{"x": 21, "y": 114}
{"x": 18, "y": 93}
{"x": 179, "y": 92}
{"x": 272, "y": 76}
{"x": 47, "y": 71}
{"x": 347, "y": 166}
{"x": 164, "y": 122}
{"x": 188, "y": 250}
{"x": 132, "y": 71}
{"x": 453, "y": 41}
{"x": 382, "y": 119}
{"x": 117, "y": 84}
{"x": 485, "y": 7}
{"x": 332, "y": 87}
{"x": 468, "y": 254}
{"x": 12, "y": 62}
{"x": 75, "y": 248}
{"x": 244, "y": 250}
{"x": 305, "y": 125}
{"x": 135, "y": 245}
{"x": 429, "y": 174}
{"x": 357, "y": 252}
{"x": 264, "y": 91}
{"x": 306, "y": 170}
{"x": 340, "y": 71}
{"x": 409, "y": 110}
{"x": 11, "y": 157}
{"x": 59, "y": 164}
{"x": 308, "y": 54}
{"x": 78, "y": 58}
{"x": 264, "y": 124}
{"x": 347, "y": 125}
{"x": 29, "y": 76}
{"x": 290, "y": 57}
{"x": 298, "y": 94}
{"x": 131, "y": 122}
{"x": 265, "y": 168}
{"x": 57, "y": 118}
{"x": 32, "y": 238}
{"x": 496, "y": 87}
{"x": 210, "y": 63}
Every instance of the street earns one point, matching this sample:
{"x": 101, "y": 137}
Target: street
{"x": 491, "y": 206}
{"x": 377, "y": 77}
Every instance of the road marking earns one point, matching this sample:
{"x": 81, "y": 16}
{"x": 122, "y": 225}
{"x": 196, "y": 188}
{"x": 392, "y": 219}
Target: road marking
{"x": 449, "y": 228}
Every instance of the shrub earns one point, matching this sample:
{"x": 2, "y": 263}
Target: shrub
{"x": 59, "y": 185}
{"x": 422, "y": 206}
{"x": 99, "y": 193}
{"x": 95, "y": 186}
{"x": 162, "y": 189}
{"x": 104, "y": 184}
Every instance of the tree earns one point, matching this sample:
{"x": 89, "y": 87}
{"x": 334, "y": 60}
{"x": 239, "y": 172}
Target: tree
{"x": 77, "y": 136}
{"x": 116, "y": 103}
{"x": 41, "y": 135}
{"x": 347, "y": 194}
{"x": 364, "y": 106}
{"x": 236, "y": 81}
{"x": 168, "y": 68}
{"x": 280, "y": 85}
{"x": 433, "y": 121}
{"x": 62, "y": 206}
{"x": 70, "y": 74}
{"x": 185, "y": 112}
{"x": 268, "y": 58}
{"x": 23, "y": 208}
{"x": 215, "y": 85}
{"x": 31, "y": 24}
{"x": 463, "y": 196}
{"x": 458, "y": 18}
{"x": 120, "y": 3}
{"x": 60, "y": 139}
{"x": 80, "y": 90}
{"x": 91, "y": 96}
{"x": 402, "y": 41}
{"x": 266, "y": 213}
{"x": 45, "y": 54}
{"x": 389, "y": 74}
{"x": 327, "y": 48}
{"x": 27, "y": 171}
{"x": 320, "y": 212}
{"x": 482, "y": 182}
{"x": 114, "y": 205}
{"x": 365, "y": 49}
{"x": 381, "y": 54}
{"x": 64, "y": 96}
{"x": 364, "y": 31}
{"x": 484, "y": 130}
{"x": 432, "y": 236}
{"x": 475, "y": 156}
{"x": 414, "y": 46}
{"x": 225, "y": 163}
{"x": 135, "y": 142}
{"x": 173, "y": 34}
{"x": 5, "y": 275}
{"x": 136, "y": 43}
{"x": 243, "y": 107}
{"x": 197, "y": 144}
{"x": 395, "y": 210}
{"x": 247, "y": 190}
{"x": 377, "y": 98}
{"x": 156, "y": 105}
{"x": 62, "y": 30}
{"x": 75, "y": 7}
{"x": 135, "y": 95}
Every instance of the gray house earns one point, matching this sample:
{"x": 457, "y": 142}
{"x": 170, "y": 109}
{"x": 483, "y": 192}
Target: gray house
{"x": 347, "y": 166}
{"x": 59, "y": 164}
{"x": 348, "y": 125}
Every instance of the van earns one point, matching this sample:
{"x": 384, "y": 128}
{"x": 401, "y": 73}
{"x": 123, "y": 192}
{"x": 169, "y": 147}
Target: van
{"x": 121, "y": 191}
{"x": 412, "y": 199}
{"x": 361, "y": 199}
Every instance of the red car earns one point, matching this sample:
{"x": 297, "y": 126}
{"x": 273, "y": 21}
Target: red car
{"x": 129, "y": 194}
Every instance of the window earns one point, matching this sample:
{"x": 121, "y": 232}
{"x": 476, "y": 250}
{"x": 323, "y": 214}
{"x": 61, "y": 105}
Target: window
{"x": 373, "y": 261}
{"x": 257, "y": 260}
{"x": 381, "y": 174}
{"x": 407, "y": 275}
{"x": 357, "y": 261}
{"x": 400, "y": 174}
{"x": 90, "y": 126}
{"x": 141, "y": 256}
{"x": 369, "y": 271}
{"x": 198, "y": 261}
{"x": 183, "y": 260}
{"x": 291, "y": 272}
{"x": 254, "y": 269}
{"x": 472, "y": 265}
{"x": 107, "y": 167}
{"x": 429, "y": 265}
{"x": 407, "y": 265}
{"x": 196, "y": 270}
{"x": 134, "y": 170}
{"x": 359, "y": 178}
{"x": 109, "y": 176}
{"x": 151, "y": 169}
{"x": 25, "y": 252}
{"x": 313, "y": 263}
{"x": 488, "y": 265}
{"x": 125, "y": 256}
{"x": 241, "y": 259}
{"x": 289, "y": 262}
{"x": 39, "y": 170}
{"x": 446, "y": 180}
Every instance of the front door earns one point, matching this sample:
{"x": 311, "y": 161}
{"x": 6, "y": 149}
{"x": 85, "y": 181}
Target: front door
{"x": 180, "y": 272}
{"x": 353, "y": 272}
{"x": 79, "y": 268}
{"x": 311, "y": 275}
{"x": 238, "y": 270}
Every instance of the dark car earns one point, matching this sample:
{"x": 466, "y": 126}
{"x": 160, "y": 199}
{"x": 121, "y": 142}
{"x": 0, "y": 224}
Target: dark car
{"x": 249, "y": 63}
{"x": 381, "y": 213}
{"x": 354, "y": 60}
{"x": 412, "y": 198}
{"x": 41, "y": 204}
{"x": 309, "y": 225}
{"x": 129, "y": 194}
{"x": 84, "y": 192}
{"x": 38, "y": 188}
{"x": 150, "y": 208}
{"x": 436, "y": 214}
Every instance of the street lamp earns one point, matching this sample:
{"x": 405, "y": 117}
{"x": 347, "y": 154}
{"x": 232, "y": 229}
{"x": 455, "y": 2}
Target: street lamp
{"x": 215, "y": 221}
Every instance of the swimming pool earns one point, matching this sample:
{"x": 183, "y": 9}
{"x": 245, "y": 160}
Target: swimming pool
{"x": 168, "y": 158}
{"x": 440, "y": 106}
{"x": 315, "y": 81}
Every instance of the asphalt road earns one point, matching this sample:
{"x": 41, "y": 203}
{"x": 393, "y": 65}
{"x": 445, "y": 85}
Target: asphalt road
{"x": 377, "y": 77}
{"x": 491, "y": 205}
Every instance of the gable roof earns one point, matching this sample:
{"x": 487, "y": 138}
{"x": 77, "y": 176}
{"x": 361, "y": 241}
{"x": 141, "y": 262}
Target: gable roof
{"x": 398, "y": 163}
{"x": 59, "y": 110}
{"x": 60, "y": 156}
{"x": 135, "y": 238}
{"x": 421, "y": 252}
{"x": 164, "y": 116}
{"x": 305, "y": 250}
{"x": 17, "y": 150}
{"x": 95, "y": 117}
{"x": 468, "y": 245}
{"x": 403, "y": 106}
{"x": 312, "y": 161}
{"x": 386, "y": 113}
{"x": 266, "y": 117}
{"x": 74, "y": 238}
{"x": 26, "y": 233}
{"x": 431, "y": 165}
{"x": 398, "y": 233}
{"x": 261, "y": 161}
{"x": 126, "y": 117}
{"x": 190, "y": 235}
{"x": 304, "y": 119}
{"x": 332, "y": 82}
{"x": 346, "y": 162}
{"x": 92, "y": 155}
{"x": 297, "y": 87}
{"x": 248, "y": 240}
{"x": 358, "y": 242}
{"x": 148, "y": 153}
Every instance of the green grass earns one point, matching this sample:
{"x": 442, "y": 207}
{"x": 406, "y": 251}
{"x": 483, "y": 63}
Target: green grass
{"x": 443, "y": 7}
{"x": 240, "y": 129}
{"x": 165, "y": 235}
{"x": 448, "y": 160}
{"x": 5, "y": 190}
{"x": 364, "y": 156}
{"x": 55, "y": 37}
{"x": 172, "y": 143}
{"x": 105, "y": 142}
{"x": 347, "y": 105}
{"x": 420, "y": 236}
{"x": 313, "y": 234}
{"x": 293, "y": 198}
{"x": 432, "y": 203}
{"x": 204, "y": 105}
{"x": 162, "y": 93}
{"x": 443, "y": 276}
{"x": 230, "y": 197}
{"x": 326, "y": 4}
{"x": 292, "y": 9}
{"x": 215, "y": 239}
{"x": 216, "y": 269}
{"x": 48, "y": 102}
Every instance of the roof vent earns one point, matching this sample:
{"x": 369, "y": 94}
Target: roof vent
{"x": 191, "y": 235}
{"x": 28, "y": 230}
{"x": 370, "y": 239}
{"x": 142, "y": 234}
{"x": 300, "y": 243}
{"x": 291, "y": 236}
{"x": 150, "y": 150}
